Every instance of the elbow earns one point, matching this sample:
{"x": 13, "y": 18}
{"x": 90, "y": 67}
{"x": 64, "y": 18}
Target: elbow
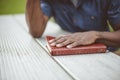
{"x": 35, "y": 34}
{"x": 119, "y": 45}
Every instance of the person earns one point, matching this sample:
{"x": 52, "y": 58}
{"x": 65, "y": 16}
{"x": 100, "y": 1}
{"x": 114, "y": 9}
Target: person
{"x": 86, "y": 19}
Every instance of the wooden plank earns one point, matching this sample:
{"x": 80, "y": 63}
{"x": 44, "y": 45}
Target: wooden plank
{"x": 86, "y": 66}
{"x": 21, "y": 58}
{"x": 92, "y": 67}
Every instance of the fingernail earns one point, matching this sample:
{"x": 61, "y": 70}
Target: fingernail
{"x": 69, "y": 46}
{"x": 51, "y": 40}
{"x": 53, "y": 44}
{"x": 59, "y": 45}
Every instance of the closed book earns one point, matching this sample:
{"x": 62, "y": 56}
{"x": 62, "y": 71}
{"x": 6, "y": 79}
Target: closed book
{"x": 87, "y": 49}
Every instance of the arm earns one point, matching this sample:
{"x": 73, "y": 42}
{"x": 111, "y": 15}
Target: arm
{"x": 110, "y": 38}
{"x": 86, "y": 38}
{"x": 35, "y": 19}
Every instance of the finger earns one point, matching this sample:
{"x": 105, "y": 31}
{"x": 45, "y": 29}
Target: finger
{"x": 51, "y": 41}
{"x": 57, "y": 38}
{"x": 64, "y": 43}
{"x": 53, "y": 44}
{"x": 74, "y": 44}
{"x": 60, "y": 40}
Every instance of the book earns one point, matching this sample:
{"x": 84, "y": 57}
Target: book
{"x": 87, "y": 49}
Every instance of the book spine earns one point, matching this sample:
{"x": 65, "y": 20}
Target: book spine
{"x": 80, "y": 51}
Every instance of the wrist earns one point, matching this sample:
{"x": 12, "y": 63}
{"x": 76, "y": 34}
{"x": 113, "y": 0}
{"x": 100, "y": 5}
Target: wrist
{"x": 99, "y": 34}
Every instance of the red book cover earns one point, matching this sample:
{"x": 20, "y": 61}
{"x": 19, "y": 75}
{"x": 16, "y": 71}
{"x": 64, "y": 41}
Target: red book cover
{"x": 88, "y": 49}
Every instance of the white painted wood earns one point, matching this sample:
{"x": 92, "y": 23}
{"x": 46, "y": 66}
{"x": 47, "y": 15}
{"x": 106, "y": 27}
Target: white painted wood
{"x": 93, "y": 66}
{"x": 20, "y": 19}
{"x": 21, "y": 58}
{"x": 49, "y": 30}
{"x": 87, "y": 66}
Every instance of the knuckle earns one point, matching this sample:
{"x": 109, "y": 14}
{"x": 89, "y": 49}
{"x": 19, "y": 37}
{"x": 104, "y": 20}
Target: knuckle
{"x": 69, "y": 41}
{"x": 66, "y": 42}
{"x": 57, "y": 42}
{"x": 76, "y": 43}
{"x": 63, "y": 44}
{"x": 60, "y": 40}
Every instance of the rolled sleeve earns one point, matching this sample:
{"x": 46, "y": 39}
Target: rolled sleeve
{"x": 46, "y": 8}
{"x": 114, "y": 12}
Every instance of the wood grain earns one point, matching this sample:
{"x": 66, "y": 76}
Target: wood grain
{"x": 83, "y": 67}
{"x": 21, "y": 58}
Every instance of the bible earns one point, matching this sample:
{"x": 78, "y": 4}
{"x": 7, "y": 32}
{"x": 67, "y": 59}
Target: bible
{"x": 87, "y": 49}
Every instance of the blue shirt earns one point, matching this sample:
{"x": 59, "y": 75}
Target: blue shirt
{"x": 87, "y": 15}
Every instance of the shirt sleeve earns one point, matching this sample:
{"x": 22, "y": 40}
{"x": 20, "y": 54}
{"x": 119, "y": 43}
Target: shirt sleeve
{"x": 114, "y": 12}
{"x": 46, "y": 8}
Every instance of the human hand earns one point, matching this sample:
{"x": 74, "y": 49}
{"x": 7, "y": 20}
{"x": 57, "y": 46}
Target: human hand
{"x": 75, "y": 39}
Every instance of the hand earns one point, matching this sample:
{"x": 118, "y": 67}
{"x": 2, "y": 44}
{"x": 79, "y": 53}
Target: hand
{"x": 75, "y": 39}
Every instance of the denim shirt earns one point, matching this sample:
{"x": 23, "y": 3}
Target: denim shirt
{"x": 85, "y": 16}
{"x": 75, "y": 2}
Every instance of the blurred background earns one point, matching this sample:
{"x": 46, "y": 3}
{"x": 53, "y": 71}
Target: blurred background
{"x": 12, "y": 6}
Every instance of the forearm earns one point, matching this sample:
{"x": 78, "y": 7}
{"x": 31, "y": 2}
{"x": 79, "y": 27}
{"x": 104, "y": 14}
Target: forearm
{"x": 110, "y": 38}
{"x": 35, "y": 18}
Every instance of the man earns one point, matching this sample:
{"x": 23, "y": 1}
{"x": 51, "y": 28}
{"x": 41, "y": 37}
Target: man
{"x": 86, "y": 19}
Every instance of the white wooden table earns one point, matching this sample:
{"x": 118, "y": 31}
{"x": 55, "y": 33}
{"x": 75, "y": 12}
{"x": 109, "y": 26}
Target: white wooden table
{"x": 25, "y": 58}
